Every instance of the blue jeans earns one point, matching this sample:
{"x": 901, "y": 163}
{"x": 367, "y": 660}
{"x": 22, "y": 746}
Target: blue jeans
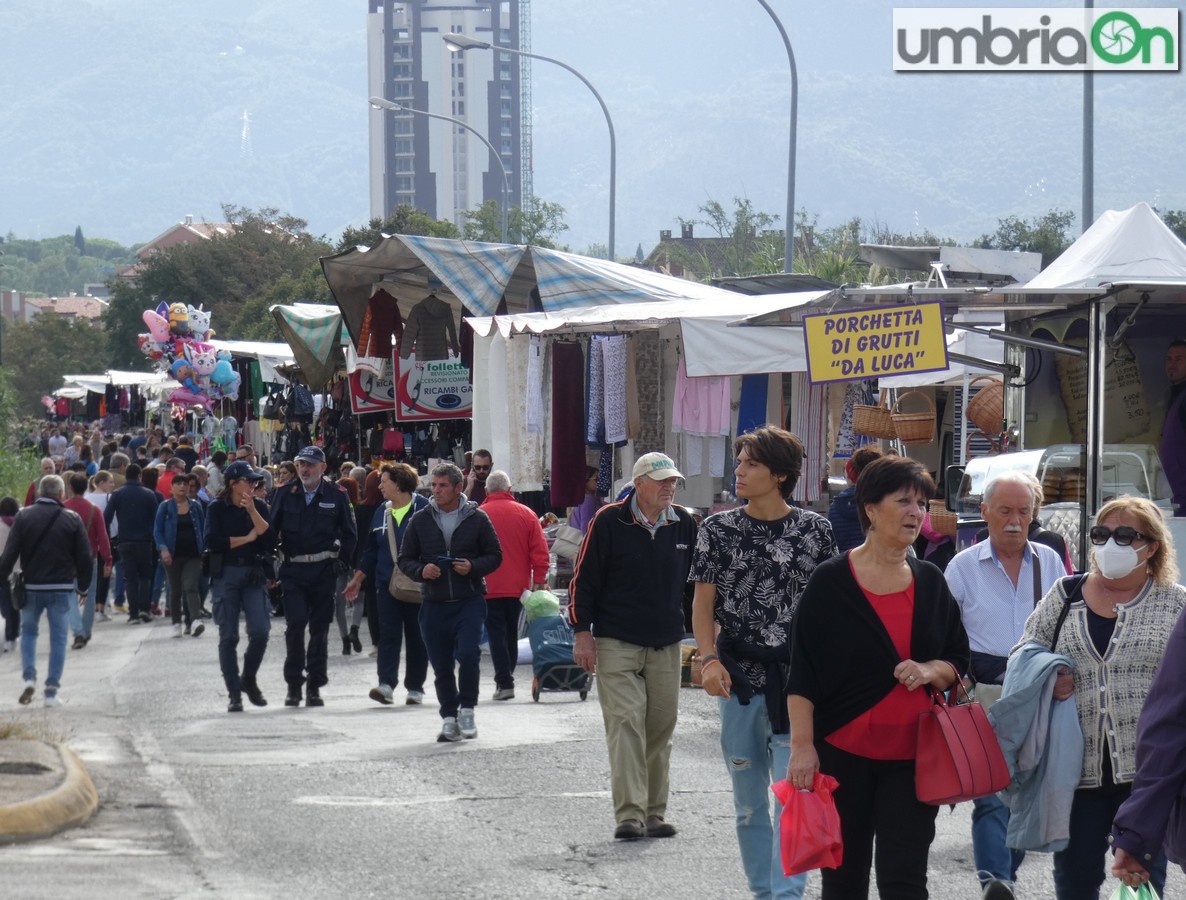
{"x": 239, "y": 591}
{"x": 1079, "y": 869}
{"x": 756, "y": 757}
{"x": 56, "y": 606}
{"x": 453, "y": 632}
{"x": 399, "y": 625}
{"x": 82, "y": 619}
{"x": 994, "y": 861}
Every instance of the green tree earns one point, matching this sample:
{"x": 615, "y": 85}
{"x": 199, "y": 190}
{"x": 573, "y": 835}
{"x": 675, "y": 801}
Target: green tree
{"x": 744, "y": 243}
{"x": 48, "y": 347}
{"x": 1175, "y": 220}
{"x": 405, "y": 220}
{"x": 221, "y": 274}
{"x": 537, "y": 226}
{"x": 1046, "y": 235}
{"x": 79, "y": 241}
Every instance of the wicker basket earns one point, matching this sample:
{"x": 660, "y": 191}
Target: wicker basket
{"x": 994, "y": 446}
{"x": 874, "y": 421}
{"x": 914, "y": 427}
{"x": 987, "y": 409}
{"x": 942, "y": 519}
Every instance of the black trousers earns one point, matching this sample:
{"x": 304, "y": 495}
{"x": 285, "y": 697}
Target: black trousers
{"x": 308, "y": 603}
{"x": 137, "y": 558}
{"x": 876, "y": 799}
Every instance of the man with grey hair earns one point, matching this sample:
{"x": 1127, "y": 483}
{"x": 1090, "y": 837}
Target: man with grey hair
{"x": 997, "y": 583}
{"x": 119, "y": 468}
{"x": 51, "y": 543}
{"x": 524, "y": 565}
{"x": 449, "y": 547}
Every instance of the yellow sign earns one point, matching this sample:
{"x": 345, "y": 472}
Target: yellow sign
{"x": 849, "y": 346}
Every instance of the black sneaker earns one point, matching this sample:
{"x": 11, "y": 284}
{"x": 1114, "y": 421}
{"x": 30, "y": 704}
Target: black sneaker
{"x": 355, "y": 640}
{"x": 79, "y": 643}
{"x": 134, "y": 620}
{"x": 146, "y": 617}
{"x": 236, "y": 704}
{"x": 254, "y": 694}
{"x": 345, "y": 646}
{"x": 997, "y": 890}
{"x": 313, "y": 697}
{"x": 294, "y": 696}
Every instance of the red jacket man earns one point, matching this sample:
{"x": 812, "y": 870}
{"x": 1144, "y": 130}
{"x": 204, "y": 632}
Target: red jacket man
{"x": 524, "y": 565}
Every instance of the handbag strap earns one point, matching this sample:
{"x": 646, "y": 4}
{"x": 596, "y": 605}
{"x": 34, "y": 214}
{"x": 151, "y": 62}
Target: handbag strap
{"x": 389, "y": 513}
{"x": 43, "y": 532}
{"x": 1037, "y": 575}
{"x": 1074, "y": 592}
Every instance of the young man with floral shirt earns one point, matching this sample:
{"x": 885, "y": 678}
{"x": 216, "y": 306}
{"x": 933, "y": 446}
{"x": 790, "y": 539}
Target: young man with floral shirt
{"x": 750, "y": 566}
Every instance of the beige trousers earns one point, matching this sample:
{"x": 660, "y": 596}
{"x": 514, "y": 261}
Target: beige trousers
{"x": 639, "y": 692}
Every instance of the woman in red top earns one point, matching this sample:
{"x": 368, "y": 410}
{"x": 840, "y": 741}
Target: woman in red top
{"x": 872, "y": 628}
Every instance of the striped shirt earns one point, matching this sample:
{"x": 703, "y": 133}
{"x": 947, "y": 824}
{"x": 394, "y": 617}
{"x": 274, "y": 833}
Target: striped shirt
{"x": 993, "y": 609}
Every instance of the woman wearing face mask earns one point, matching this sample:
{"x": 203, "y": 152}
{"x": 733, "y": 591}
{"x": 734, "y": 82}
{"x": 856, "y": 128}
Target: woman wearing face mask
{"x": 1117, "y": 622}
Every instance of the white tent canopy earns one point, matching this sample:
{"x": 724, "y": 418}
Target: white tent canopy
{"x": 1121, "y": 246}
{"x": 711, "y": 346}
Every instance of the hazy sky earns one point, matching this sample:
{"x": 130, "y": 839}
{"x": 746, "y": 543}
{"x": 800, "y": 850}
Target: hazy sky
{"x": 122, "y": 116}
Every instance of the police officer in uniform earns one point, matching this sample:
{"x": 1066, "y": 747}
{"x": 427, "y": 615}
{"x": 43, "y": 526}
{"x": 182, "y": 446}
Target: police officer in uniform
{"x": 315, "y": 527}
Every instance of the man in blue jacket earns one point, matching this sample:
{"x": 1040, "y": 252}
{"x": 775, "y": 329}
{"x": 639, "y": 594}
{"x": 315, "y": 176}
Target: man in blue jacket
{"x": 627, "y": 595}
{"x": 450, "y": 548}
{"x": 133, "y": 507}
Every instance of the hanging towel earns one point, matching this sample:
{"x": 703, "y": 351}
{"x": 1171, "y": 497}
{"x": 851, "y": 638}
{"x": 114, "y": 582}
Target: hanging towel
{"x": 701, "y": 404}
{"x": 633, "y": 414}
{"x": 535, "y": 387}
{"x": 807, "y": 419}
{"x": 751, "y": 412}
{"x": 615, "y": 351}
{"x": 855, "y": 393}
{"x": 594, "y": 395}
{"x": 567, "y": 423}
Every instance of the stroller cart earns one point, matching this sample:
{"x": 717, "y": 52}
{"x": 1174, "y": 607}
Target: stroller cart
{"x": 551, "y": 658}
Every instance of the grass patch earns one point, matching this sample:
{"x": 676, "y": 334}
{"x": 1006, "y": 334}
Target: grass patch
{"x": 29, "y": 730}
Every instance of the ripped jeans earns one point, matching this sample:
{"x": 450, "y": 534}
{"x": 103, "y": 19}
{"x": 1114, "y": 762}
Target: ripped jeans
{"x": 755, "y": 758}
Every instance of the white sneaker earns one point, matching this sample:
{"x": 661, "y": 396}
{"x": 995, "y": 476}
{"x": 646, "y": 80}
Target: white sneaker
{"x": 382, "y": 694}
{"x": 198, "y": 628}
{"x": 504, "y": 694}
{"x": 52, "y": 700}
{"x": 465, "y": 719}
{"x": 415, "y": 698}
{"x": 9, "y": 646}
{"x": 178, "y": 630}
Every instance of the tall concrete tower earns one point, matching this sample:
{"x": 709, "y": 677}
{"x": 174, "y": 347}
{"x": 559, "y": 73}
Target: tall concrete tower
{"x": 433, "y": 165}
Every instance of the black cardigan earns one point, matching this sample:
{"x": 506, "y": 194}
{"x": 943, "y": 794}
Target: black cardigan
{"x": 842, "y": 658}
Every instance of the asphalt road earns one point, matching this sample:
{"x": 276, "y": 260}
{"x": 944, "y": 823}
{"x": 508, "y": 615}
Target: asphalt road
{"x": 357, "y": 800}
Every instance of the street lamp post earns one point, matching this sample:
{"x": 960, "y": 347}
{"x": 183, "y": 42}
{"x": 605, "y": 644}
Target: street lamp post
{"x": 460, "y": 42}
{"x": 380, "y": 103}
{"x": 789, "y": 256}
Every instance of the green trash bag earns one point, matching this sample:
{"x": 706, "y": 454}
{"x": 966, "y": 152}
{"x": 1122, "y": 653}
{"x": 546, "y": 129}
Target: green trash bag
{"x": 539, "y": 604}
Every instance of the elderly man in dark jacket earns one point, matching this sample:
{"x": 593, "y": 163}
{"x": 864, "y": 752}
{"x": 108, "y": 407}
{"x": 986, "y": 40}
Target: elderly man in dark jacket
{"x": 450, "y": 547}
{"x": 51, "y": 543}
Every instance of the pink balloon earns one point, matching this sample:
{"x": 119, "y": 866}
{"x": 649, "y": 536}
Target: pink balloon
{"x": 158, "y": 326}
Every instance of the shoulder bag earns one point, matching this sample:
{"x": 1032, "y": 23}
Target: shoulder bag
{"x": 567, "y": 543}
{"x": 400, "y": 586}
{"x": 959, "y": 757}
{"x": 18, "y": 593}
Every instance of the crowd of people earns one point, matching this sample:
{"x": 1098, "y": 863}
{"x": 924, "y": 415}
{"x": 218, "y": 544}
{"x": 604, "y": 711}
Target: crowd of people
{"x": 823, "y": 638}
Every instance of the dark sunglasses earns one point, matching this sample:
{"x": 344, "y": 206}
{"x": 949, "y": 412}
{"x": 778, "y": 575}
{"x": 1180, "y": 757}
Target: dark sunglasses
{"x": 1123, "y": 535}
{"x": 483, "y": 468}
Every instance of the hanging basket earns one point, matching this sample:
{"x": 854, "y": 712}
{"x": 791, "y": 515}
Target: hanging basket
{"x": 987, "y": 409}
{"x": 914, "y": 427}
{"x": 994, "y": 447}
{"x": 874, "y": 421}
{"x": 942, "y": 519}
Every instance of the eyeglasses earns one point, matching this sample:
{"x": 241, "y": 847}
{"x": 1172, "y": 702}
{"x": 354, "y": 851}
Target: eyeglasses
{"x": 1123, "y": 535}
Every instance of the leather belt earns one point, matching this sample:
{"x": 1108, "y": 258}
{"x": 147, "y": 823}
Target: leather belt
{"x": 314, "y": 557}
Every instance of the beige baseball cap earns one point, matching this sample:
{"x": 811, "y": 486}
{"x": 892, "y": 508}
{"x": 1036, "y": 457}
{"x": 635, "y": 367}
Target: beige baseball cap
{"x": 658, "y": 466}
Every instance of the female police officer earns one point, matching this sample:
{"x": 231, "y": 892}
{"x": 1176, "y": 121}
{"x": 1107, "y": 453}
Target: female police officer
{"x": 240, "y": 541}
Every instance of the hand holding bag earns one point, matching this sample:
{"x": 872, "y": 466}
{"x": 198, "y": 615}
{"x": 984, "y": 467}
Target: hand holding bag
{"x": 1127, "y": 892}
{"x": 959, "y": 757}
{"x": 809, "y": 828}
{"x": 400, "y": 586}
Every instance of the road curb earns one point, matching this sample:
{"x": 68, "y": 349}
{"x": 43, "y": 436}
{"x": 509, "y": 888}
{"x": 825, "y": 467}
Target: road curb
{"x": 70, "y": 803}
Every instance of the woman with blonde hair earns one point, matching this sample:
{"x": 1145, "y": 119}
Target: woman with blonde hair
{"x": 1113, "y": 624}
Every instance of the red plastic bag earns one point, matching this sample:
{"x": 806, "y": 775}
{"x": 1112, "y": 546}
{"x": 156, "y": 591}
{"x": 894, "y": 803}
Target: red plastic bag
{"x": 810, "y": 826}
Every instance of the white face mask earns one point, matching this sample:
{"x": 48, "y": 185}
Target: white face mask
{"x": 1115, "y": 561}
